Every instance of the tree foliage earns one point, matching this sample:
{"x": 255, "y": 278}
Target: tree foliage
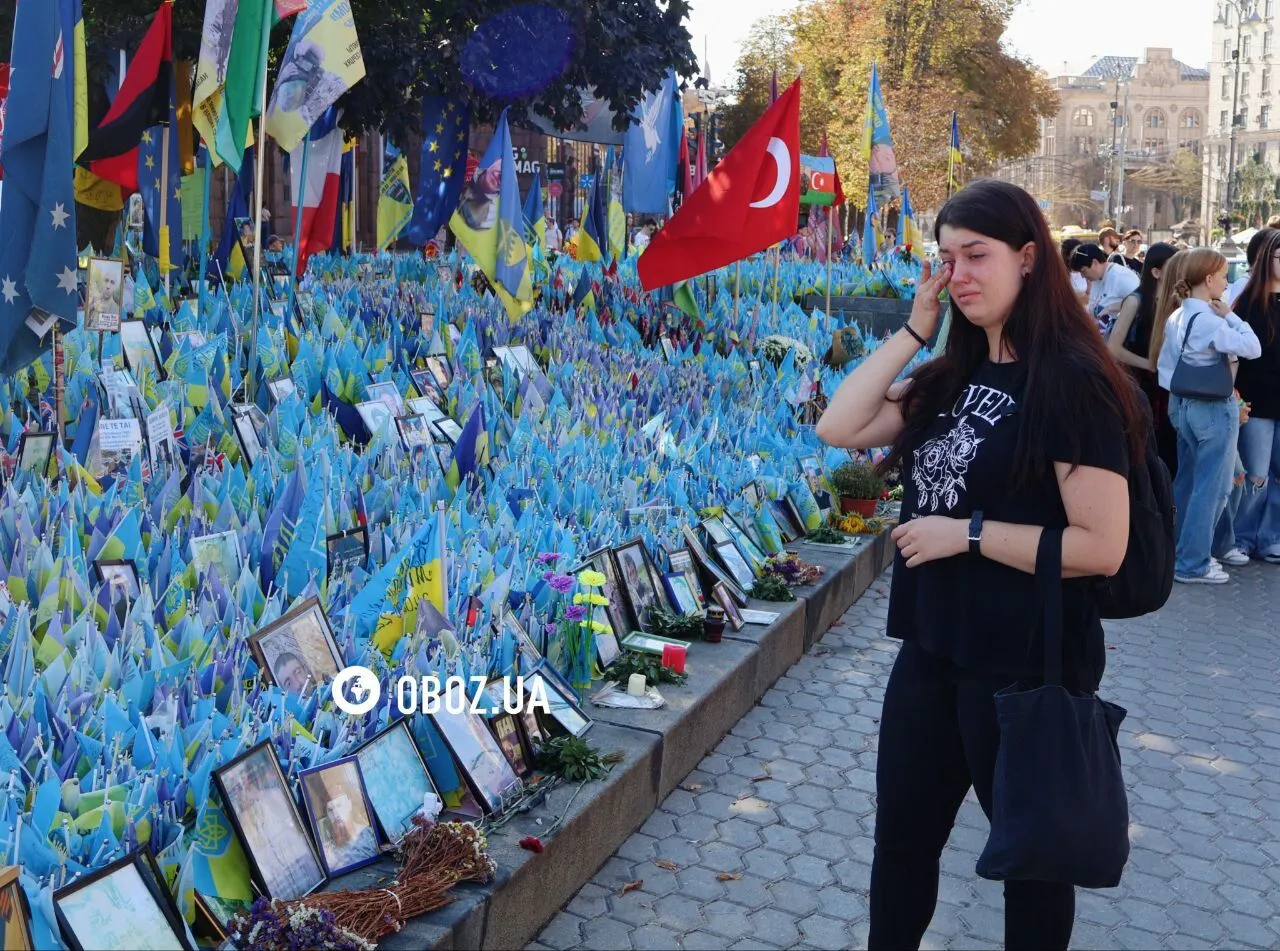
{"x": 1255, "y": 190}
{"x": 934, "y": 56}
{"x": 1179, "y": 177}
{"x": 413, "y": 48}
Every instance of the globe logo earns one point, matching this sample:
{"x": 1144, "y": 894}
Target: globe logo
{"x": 356, "y": 690}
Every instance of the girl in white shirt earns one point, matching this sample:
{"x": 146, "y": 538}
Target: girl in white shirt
{"x": 1109, "y": 283}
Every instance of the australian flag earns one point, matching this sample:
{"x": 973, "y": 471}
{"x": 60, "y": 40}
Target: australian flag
{"x": 37, "y": 217}
{"x": 150, "y": 167}
{"x": 446, "y": 124}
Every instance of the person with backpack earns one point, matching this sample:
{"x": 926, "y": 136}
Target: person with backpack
{"x": 1202, "y": 341}
{"x": 1023, "y": 426}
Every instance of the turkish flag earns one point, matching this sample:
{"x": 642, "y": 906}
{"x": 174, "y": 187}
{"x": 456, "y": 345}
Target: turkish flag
{"x": 748, "y": 202}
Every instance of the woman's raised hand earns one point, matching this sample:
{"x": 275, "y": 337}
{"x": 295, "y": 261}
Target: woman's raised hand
{"x": 925, "y": 310}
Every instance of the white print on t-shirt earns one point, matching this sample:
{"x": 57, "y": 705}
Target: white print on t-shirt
{"x": 941, "y": 464}
{"x": 983, "y": 402}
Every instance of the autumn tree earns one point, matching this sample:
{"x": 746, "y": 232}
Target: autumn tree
{"x": 1178, "y": 177}
{"x": 769, "y": 50}
{"x": 414, "y": 48}
{"x": 934, "y": 56}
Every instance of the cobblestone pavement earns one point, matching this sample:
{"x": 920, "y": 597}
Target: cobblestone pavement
{"x": 768, "y": 843}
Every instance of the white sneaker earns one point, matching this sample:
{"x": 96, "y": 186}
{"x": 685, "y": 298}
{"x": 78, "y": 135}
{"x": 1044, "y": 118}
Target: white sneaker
{"x": 1235, "y": 558}
{"x": 1215, "y": 575}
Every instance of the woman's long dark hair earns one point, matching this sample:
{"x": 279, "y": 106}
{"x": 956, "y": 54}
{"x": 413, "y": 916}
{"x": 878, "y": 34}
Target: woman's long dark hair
{"x": 1158, "y": 256}
{"x": 1070, "y": 374}
{"x": 1256, "y": 299}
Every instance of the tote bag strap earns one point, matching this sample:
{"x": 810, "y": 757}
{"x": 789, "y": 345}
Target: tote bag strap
{"x": 1187, "y": 336}
{"x": 1049, "y": 583}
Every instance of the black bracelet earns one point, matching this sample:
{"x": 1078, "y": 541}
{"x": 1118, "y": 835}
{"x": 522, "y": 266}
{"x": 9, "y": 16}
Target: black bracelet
{"x": 911, "y": 330}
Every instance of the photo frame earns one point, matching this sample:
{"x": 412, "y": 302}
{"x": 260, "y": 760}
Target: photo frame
{"x": 121, "y": 576}
{"x": 618, "y": 610}
{"x": 438, "y": 367}
{"x": 281, "y": 389}
{"x": 387, "y": 394}
{"x": 681, "y": 561}
{"x": 341, "y": 816}
{"x": 650, "y": 643}
{"x": 483, "y": 765}
{"x": 305, "y": 303}
{"x": 566, "y": 714}
{"x": 426, "y": 386}
{"x": 640, "y": 581}
{"x": 724, "y": 528}
{"x": 427, "y": 320}
{"x": 680, "y": 593}
{"x": 35, "y": 452}
{"x": 257, "y": 801}
{"x": 104, "y": 295}
{"x": 247, "y": 437}
{"x": 731, "y": 611}
{"x": 139, "y": 348}
{"x": 297, "y": 652}
{"x": 15, "y": 912}
{"x": 711, "y": 567}
{"x": 396, "y": 779}
{"x": 346, "y": 551}
{"x": 207, "y": 927}
{"x": 121, "y": 905}
{"x": 415, "y": 432}
{"x": 506, "y": 729}
{"x": 668, "y": 348}
{"x": 445, "y": 771}
{"x": 790, "y": 524}
{"x": 375, "y": 414}
{"x": 735, "y": 564}
{"x": 811, "y": 470}
{"x": 449, "y": 430}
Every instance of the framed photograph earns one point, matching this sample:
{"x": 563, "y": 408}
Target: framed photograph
{"x": 681, "y": 560}
{"x": 506, "y": 730}
{"x": 258, "y": 803}
{"x": 735, "y": 564}
{"x": 427, "y": 320}
{"x": 565, "y": 713}
{"x": 376, "y": 415}
{"x": 426, "y": 386}
{"x": 668, "y": 349}
{"x": 680, "y": 593}
{"x": 618, "y": 612}
{"x": 207, "y": 927}
{"x": 725, "y": 600}
{"x": 724, "y": 528}
{"x": 751, "y": 492}
{"x": 35, "y": 452}
{"x": 15, "y": 913}
{"x": 811, "y": 469}
{"x": 297, "y": 652}
{"x": 119, "y": 441}
{"x": 711, "y": 566}
{"x": 448, "y": 429}
{"x": 415, "y": 432}
{"x": 340, "y": 814}
{"x": 387, "y": 394}
{"x": 120, "y": 906}
{"x": 346, "y": 551}
{"x": 280, "y": 389}
{"x": 445, "y": 772}
{"x": 639, "y": 580}
{"x": 247, "y": 437}
{"x": 438, "y": 367}
{"x": 485, "y": 768}
{"x": 121, "y": 577}
{"x": 219, "y": 552}
{"x": 139, "y": 349}
{"x": 790, "y": 524}
{"x": 395, "y": 779}
{"x": 104, "y": 295}
{"x": 530, "y": 656}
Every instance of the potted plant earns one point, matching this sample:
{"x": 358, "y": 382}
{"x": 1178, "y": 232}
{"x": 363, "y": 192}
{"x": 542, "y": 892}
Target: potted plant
{"x": 858, "y": 486}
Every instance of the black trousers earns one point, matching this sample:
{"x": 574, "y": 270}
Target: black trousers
{"x": 938, "y": 737}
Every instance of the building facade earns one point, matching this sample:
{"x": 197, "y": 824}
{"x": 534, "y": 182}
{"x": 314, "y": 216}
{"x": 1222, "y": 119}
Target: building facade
{"x": 1244, "y": 79}
{"x": 1126, "y": 144}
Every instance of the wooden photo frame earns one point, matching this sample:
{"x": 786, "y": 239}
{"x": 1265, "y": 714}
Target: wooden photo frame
{"x": 121, "y": 905}
{"x": 259, "y": 804}
{"x": 396, "y": 779}
{"x": 15, "y": 912}
{"x": 507, "y": 730}
{"x": 342, "y": 820}
{"x": 297, "y": 652}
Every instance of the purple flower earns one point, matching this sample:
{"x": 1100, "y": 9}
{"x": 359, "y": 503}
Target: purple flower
{"x": 561, "y": 583}
{"x": 575, "y": 612}
{"x": 548, "y": 558}
{"x": 548, "y": 575}
{"x": 549, "y": 628}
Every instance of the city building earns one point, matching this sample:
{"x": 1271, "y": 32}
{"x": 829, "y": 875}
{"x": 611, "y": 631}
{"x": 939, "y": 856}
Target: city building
{"x": 1125, "y": 144}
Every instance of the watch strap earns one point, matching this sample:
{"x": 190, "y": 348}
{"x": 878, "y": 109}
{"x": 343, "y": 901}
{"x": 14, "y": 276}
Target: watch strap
{"x": 975, "y": 533}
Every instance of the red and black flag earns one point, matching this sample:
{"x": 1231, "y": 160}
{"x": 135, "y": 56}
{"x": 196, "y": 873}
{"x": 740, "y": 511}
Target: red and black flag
{"x": 143, "y": 102}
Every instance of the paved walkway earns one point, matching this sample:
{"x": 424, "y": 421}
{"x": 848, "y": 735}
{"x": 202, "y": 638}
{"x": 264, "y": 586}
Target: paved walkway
{"x": 768, "y": 843}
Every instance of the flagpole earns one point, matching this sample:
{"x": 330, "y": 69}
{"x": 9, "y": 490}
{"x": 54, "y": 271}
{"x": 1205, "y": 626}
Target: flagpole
{"x": 204, "y": 231}
{"x": 259, "y": 175}
{"x": 297, "y": 222}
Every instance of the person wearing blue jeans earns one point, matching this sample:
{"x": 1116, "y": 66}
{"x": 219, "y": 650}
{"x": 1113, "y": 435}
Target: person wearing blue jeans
{"x": 1258, "y": 520}
{"x": 1225, "y": 547}
{"x": 1203, "y": 333}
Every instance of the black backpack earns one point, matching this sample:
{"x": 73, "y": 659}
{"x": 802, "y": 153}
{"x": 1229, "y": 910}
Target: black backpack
{"x": 1145, "y": 579}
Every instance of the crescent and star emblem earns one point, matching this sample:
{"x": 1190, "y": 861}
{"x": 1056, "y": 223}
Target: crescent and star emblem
{"x": 782, "y": 157}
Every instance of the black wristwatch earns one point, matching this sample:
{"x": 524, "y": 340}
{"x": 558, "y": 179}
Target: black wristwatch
{"x": 975, "y": 533}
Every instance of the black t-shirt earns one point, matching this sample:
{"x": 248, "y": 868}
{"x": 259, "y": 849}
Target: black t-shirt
{"x": 1259, "y": 380}
{"x": 982, "y": 615}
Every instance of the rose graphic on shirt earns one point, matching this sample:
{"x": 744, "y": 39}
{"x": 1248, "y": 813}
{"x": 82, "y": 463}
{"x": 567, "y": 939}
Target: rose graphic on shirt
{"x": 940, "y": 466}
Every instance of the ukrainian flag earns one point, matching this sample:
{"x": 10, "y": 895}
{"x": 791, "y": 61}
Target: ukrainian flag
{"x": 535, "y": 221}
{"x": 472, "y": 450}
{"x": 910, "y": 230}
{"x": 593, "y": 239}
{"x": 956, "y": 160}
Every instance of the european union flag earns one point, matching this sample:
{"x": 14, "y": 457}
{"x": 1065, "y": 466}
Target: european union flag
{"x": 446, "y": 124}
{"x": 150, "y": 167}
{"x": 37, "y": 218}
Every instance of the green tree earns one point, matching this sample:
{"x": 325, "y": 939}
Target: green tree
{"x": 1255, "y": 190}
{"x": 1178, "y": 177}
{"x": 413, "y": 48}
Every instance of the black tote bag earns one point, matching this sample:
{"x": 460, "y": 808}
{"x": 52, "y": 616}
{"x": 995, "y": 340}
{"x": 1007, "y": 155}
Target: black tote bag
{"x": 1059, "y": 812}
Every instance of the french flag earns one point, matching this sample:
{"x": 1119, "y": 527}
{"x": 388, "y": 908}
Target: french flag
{"x": 320, "y": 200}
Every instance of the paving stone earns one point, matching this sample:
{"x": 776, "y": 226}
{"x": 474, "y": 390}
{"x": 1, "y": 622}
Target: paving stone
{"x": 1200, "y": 748}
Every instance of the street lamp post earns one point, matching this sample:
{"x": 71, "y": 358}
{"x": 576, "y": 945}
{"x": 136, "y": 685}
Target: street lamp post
{"x": 1246, "y": 12}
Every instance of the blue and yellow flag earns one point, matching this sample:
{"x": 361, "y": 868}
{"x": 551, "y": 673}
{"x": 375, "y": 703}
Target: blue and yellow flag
{"x": 593, "y": 239}
{"x": 955, "y": 162}
{"x": 78, "y": 86}
{"x": 488, "y": 224}
{"x": 870, "y": 230}
{"x": 535, "y": 222}
{"x": 877, "y": 144}
{"x": 395, "y": 202}
{"x": 911, "y": 237}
